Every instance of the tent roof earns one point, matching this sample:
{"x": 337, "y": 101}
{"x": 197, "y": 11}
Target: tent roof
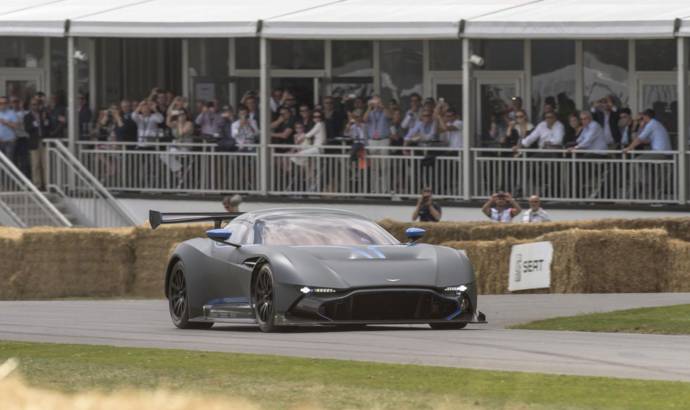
{"x": 380, "y": 19}
{"x": 347, "y": 19}
{"x": 582, "y": 19}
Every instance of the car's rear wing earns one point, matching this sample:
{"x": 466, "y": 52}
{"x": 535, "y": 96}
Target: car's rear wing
{"x": 157, "y": 219}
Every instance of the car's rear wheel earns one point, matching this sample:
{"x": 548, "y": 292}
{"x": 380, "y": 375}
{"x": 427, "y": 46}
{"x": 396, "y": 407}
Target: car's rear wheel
{"x": 263, "y": 297}
{"x": 178, "y": 303}
{"x": 448, "y": 326}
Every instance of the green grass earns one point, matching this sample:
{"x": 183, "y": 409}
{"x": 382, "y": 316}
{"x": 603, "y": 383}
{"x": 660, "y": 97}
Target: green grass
{"x": 281, "y": 382}
{"x": 666, "y": 320}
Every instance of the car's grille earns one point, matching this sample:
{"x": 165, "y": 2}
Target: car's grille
{"x": 389, "y": 305}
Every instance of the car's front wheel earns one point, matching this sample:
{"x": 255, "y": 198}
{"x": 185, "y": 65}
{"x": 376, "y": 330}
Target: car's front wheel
{"x": 178, "y": 303}
{"x": 263, "y": 297}
{"x": 448, "y": 326}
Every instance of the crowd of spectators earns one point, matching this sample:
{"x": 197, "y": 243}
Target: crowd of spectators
{"x": 604, "y": 126}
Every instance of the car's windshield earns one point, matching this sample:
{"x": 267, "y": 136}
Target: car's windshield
{"x": 320, "y": 230}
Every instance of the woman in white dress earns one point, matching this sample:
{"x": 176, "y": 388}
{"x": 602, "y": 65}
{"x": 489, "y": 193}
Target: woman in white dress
{"x": 310, "y": 147}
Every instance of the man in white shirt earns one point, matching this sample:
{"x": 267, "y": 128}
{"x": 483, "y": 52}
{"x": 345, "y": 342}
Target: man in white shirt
{"x": 549, "y": 133}
{"x": 535, "y": 213}
{"x": 450, "y": 127}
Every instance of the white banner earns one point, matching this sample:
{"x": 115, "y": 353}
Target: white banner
{"x": 530, "y": 266}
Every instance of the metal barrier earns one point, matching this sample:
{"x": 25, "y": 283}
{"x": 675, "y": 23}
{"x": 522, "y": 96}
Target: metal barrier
{"x": 87, "y": 199}
{"x": 592, "y": 176}
{"x": 378, "y": 172}
{"x": 397, "y": 172}
{"x": 21, "y": 204}
{"x": 163, "y": 167}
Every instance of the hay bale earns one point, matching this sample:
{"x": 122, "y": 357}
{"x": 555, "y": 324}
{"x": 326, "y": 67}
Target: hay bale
{"x": 437, "y": 233}
{"x": 678, "y": 272}
{"x": 152, "y": 250}
{"x": 585, "y": 261}
{"x": 11, "y": 257}
{"x": 72, "y": 262}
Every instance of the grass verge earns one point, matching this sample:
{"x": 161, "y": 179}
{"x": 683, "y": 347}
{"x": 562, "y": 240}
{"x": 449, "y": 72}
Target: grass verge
{"x": 285, "y": 382}
{"x": 666, "y": 320}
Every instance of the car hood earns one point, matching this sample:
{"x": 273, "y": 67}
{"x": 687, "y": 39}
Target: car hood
{"x": 373, "y": 266}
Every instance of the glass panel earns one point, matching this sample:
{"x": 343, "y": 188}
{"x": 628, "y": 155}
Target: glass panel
{"x": 352, "y": 58}
{"x": 500, "y": 54}
{"x": 297, "y": 54}
{"x": 353, "y": 87}
{"x": 655, "y": 55}
{"x": 58, "y": 67}
{"x": 81, "y": 46}
{"x": 21, "y": 52}
{"x": 245, "y": 85}
{"x": 606, "y": 71}
{"x": 247, "y": 56}
{"x": 300, "y": 88}
{"x": 553, "y": 77}
{"x": 495, "y": 101}
{"x": 208, "y": 69}
{"x": 401, "y": 70}
{"x": 23, "y": 89}
{"x": 452, "y": 94}
{"x": 663, "y": 99}
{"x": 109, "y": 51}
{"x": 445, "y": 55}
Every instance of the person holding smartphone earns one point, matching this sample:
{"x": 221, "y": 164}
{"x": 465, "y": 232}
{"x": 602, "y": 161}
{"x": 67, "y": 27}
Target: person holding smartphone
{"x": 501, "y": 207}
{"x": 427, "y": 210}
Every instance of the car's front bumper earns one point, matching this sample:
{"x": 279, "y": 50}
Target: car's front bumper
{"x": 382, "y": 306}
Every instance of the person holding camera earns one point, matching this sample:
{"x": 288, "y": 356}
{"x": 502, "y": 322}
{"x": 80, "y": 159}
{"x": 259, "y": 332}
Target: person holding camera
{"x": 605, "y": 112}
{"x": 427, "y": 210}
{"x": 148, "y": 119}
{"x": 501, "y": 207}
{"x": 209, "y": 120}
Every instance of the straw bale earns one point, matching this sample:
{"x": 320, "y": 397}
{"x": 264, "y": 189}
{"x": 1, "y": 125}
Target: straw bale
{"x": 152, "y": 249}
{"x": 11, "y": 257}
{"x": 18, "y": 395}
{"x": 585, "y": 261}
{"x": 73, "y": 262}
{"x": 678, "y": 273}
{"x": 677, "y": 228}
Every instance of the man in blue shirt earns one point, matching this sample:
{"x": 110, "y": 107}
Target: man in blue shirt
{"x": 653, "y": 133}
{"x": 650, "y": 177}
{"x": 8, "y": 124}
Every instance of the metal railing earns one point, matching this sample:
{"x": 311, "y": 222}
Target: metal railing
{"x": 163, "y": 167}
{"x": 397, "y": 172}
{"x": 83, "y": 194}
{"x": 378, "y": 172}
{"x": 22, "y": 204}
{"x": 591, "y": 176}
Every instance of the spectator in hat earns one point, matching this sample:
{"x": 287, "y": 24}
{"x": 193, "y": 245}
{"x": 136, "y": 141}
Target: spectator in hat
{"x": 232, "y": 203}
{"x": 427, "y": 210}
{"x": 501, "y": 207}
{"x": 535, "y": 213}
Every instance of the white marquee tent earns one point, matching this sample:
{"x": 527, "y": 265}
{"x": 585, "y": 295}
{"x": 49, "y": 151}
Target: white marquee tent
{"x": 347, "y": 19}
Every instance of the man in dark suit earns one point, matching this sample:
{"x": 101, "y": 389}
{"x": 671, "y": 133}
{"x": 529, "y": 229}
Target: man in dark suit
{"x": 606, "y": 114}
{"x": 37, "y": 125}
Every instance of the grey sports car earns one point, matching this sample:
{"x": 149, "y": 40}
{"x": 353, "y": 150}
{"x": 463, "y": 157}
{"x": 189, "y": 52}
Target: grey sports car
{"x": 307, "y": 267}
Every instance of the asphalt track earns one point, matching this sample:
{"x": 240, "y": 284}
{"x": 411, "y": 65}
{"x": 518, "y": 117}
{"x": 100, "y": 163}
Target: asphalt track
{"x": 145, "y": 323}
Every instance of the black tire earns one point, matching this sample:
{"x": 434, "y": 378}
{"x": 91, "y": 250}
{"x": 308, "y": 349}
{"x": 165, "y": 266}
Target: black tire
{"x": 263, "y": 296}
{"x": 448, "y": 326}
{"x": 178, "y": 304}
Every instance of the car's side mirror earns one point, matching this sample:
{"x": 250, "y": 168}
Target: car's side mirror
{"x": 414, "y": 234}
{"x": 219, "y": 235}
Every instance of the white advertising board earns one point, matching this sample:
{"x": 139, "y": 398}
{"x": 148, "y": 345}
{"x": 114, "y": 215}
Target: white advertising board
{"x": 530, "y": 266}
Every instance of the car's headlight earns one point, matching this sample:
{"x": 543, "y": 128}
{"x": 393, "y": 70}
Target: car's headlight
{"x": 307, "y": 290}
{"x": 455, "y": 289}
